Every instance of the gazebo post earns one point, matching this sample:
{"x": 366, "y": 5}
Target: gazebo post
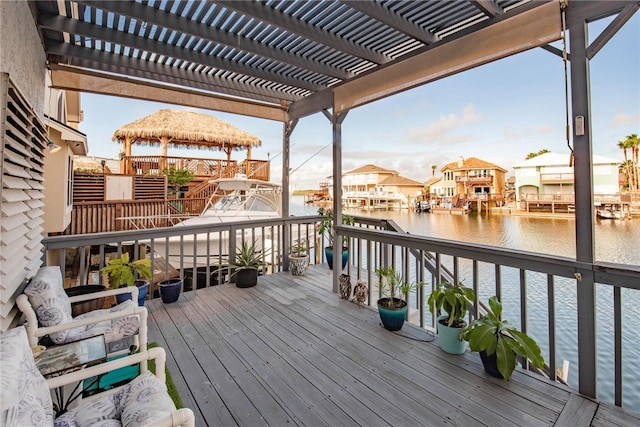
{"x": 125, "y": 160}
{"x": 164, "y": 142}
{"x": 247, "y": 162}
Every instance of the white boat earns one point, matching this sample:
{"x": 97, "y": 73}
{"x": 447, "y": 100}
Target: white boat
{"x": 609, "y": 213}
{"x": 234, "y": 199}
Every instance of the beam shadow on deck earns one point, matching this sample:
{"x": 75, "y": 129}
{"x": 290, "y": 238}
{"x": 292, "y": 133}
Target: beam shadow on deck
{"x": 290, "y": 352}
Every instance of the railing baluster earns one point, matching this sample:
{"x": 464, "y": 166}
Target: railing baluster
{"x": 551, "y": 304}
{"x": 617, "y": 333}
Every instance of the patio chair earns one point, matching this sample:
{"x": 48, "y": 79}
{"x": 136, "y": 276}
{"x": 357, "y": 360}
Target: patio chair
{"x": 25, "y": 395}
{"x": 47, "y": 310}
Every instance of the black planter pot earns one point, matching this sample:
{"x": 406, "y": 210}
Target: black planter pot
{"x": 170, "y": 290}
{"x": 490, "y": 363}
{"x": 246, "y": 278}
{"x": 78, "y": 308}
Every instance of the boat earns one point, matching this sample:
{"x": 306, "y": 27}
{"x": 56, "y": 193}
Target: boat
{"x": 609, "y": 213}
{"x": 233, "y": 200}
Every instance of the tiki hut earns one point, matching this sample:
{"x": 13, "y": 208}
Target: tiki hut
{"x": 184, "y": 129}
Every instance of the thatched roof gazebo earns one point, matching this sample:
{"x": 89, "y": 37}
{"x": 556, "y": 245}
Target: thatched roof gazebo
{"x": 184, "y": 129}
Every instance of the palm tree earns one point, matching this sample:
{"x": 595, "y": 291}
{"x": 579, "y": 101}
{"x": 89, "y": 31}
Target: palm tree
{"x": 433, "y": 170}
{"x": 631, "y": 143}
{"x": 623, "y": 169}
{"x": 532, "y": 155}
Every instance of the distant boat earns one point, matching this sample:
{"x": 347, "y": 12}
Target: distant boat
{"x": 609, "y": 213}
{"x": 234, "y": 199}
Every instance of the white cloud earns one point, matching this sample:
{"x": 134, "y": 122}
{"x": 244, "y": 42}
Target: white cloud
{"x": 623, "y": 119}
{"x": 441, "y": 130}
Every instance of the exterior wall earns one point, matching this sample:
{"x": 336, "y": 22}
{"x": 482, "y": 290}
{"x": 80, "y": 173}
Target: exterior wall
{"x": 22, "y": 58}
{"x": 605, "y": 179}
{"x": 21, "y": 54}
{"x": 57, "y": 192}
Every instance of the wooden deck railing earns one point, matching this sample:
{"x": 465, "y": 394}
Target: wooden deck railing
{"x": 101, "y": 217}
{"x": 538, "y": 291}
{"x": 200, "y": 167}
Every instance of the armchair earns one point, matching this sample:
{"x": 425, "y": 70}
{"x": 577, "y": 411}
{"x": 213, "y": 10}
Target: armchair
{"x": 25, "y": 397}
{"x": 47, "y": 310}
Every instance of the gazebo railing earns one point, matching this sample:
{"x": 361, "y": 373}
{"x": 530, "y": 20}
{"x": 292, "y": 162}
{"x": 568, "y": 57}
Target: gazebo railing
{"x": 154, "y": 165}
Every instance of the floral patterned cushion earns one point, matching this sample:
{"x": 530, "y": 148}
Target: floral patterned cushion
{"x": 49, "y": 300}
{"x": 113, "y": 330}
{"x": 51, "y": 304}
{"x": 143, "y": 401}
{"x": 24, "y": 396}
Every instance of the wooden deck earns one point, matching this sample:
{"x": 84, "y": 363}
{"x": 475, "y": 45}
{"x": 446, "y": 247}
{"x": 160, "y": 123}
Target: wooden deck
{"x": 290, "y": 352}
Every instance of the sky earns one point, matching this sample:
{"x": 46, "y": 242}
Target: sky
{"x": 498, "y": 112}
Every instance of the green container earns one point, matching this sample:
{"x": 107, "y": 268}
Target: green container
{"x": 449, "y": 338}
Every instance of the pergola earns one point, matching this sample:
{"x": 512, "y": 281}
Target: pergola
{"x": 284, "y": 60}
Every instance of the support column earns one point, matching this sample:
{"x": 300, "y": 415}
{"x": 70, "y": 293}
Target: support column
{"x": 583, "y": 167}
{"x": 336, "y": 125}
{"x": 287, "y": 130}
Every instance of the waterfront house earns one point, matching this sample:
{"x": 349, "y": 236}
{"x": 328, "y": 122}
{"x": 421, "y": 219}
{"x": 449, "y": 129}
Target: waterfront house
{"x": 367, "y": 51}
{"x": 552, "y": 173}
{"x": 546, "y": 182}
{"x": 374, "y": 187}
{"x": 473, "y": 179}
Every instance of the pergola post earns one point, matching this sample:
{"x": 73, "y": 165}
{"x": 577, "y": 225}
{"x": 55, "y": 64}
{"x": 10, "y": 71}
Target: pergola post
{"x": 336, "y": 125}
{"x": 585, "y": 289}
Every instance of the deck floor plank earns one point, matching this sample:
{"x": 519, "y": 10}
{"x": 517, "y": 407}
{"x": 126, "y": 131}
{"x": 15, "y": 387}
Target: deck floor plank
{"x": 393, "y": 362}
{"x": 290, "y": 352}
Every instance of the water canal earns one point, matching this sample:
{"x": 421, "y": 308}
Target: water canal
{"x": 615, "y": 241}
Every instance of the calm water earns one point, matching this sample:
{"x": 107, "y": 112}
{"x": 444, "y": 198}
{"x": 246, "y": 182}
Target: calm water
{"x": 616, "y": 241}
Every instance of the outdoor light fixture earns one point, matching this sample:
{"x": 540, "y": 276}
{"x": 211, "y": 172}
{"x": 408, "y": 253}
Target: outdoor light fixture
{"x": 52, "y": 146}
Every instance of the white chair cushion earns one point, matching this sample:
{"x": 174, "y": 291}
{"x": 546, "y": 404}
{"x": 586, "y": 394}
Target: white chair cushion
{"x": 141, "y": 402}
{"x": 113, "y": 330}
{"x": 49, "y": 300}
{"x": 25, "y": 399}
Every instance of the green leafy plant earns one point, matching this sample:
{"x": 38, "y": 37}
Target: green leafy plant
{"x": 325, "y": 226}
{"x": 453, "y": 300}
{"x": 492, "y": 335}
{"x": 393, "y": 287}
{"x": 122, "y": 271}
{"x": 176, "y": 178}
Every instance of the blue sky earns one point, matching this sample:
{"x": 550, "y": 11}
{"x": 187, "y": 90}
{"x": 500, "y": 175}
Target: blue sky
{"x": 499, "y": 112}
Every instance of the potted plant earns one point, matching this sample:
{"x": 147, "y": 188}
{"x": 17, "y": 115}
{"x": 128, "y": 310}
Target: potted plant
{"x": 122, "y": 272}
{"x": 325, "y": 227}
{"x": 170, "y": 290}
{"x": 453, "y": 300}
{"x": 499, "y": 342}
{"x": 247, "y": 262}
{"x": 298, "y": 258}
{"x": 392, "y": 306}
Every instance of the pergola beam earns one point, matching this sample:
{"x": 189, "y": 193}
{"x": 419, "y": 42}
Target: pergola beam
{"x": 535, "y": 27}
{"x": 91, "y": 82}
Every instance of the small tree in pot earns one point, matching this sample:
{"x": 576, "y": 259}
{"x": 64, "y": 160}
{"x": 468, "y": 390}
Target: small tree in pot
{"x": 325, "y": 227}
{"x": 392, "y": 306}
{"x": 453, "y": 300}
{"x": 122, "y": 272}
{"x": 499, "y": 342}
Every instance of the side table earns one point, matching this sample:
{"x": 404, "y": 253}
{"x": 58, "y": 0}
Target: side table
{"x": 65, "y": 358}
